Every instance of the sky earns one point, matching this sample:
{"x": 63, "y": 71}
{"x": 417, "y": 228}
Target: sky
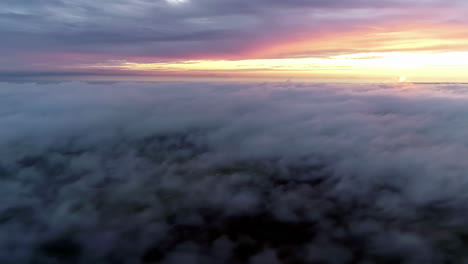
{"x": 321, "y": 40}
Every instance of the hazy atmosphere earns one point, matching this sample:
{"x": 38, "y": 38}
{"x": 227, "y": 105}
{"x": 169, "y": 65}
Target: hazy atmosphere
{"x": 233, "y": 173}
{"x": 233, "y": 132}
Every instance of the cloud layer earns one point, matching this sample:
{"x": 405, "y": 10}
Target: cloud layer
{"x": 233, "y": 173}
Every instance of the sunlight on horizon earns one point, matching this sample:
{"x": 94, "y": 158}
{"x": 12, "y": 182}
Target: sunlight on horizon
{"x": 402, "y": 65}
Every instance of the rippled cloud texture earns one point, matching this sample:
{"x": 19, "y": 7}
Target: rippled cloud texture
{"x": 233, "y": 173}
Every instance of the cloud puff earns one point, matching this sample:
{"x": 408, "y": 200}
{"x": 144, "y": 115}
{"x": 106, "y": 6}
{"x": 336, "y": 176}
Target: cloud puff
{"x": 233, "y": 173}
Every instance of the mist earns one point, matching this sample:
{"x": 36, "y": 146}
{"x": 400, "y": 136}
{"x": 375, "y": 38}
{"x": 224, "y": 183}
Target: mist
{"x": 233, "y": 173}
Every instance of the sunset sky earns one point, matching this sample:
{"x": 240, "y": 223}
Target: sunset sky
{"x": 233, "y": 131}
{"x": 318, "y": 40}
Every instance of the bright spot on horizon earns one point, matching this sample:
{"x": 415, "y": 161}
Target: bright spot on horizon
{"x": 370, "y": 66}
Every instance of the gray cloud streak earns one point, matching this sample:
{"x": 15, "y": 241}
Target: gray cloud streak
{"x": 127, "y": 28}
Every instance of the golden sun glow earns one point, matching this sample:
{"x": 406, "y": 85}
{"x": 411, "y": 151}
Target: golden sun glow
{"x": 376, "y": 65}
{"x": 383, "y": 52}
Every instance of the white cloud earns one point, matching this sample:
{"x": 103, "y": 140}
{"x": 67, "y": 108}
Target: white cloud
{"x": 204, "y": 171}
{"x": 176, "y": 2}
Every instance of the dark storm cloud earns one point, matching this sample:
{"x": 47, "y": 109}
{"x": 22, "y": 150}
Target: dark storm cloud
{"x": 233, "y": 173}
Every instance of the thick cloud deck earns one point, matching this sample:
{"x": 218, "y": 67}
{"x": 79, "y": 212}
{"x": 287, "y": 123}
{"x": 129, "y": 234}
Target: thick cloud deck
{"x": 233, "y": 173}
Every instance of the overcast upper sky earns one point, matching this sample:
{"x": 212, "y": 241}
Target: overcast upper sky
{"x": 88, "y": 36}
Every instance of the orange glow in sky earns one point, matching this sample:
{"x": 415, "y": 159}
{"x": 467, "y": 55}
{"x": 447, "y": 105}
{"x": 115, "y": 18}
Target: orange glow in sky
{"x": 352, "y": 40}
{"x": 381, "y": 66}
{"x": 436, "y": 54}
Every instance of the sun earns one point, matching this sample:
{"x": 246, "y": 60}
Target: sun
{"x": 403, "y": 79}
